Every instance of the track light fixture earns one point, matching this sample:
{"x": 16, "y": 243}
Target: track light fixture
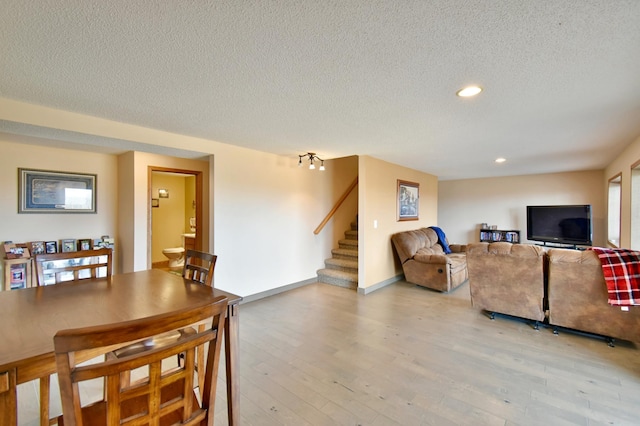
{"x": 311, "y": 156}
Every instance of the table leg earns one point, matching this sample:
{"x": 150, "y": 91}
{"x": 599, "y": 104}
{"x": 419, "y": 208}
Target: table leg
{"x": 232, "y": 358}
{"x": 8, "y": 398}
{"x": 45, "y": 384}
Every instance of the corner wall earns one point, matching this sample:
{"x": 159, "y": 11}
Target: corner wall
{"x": 622, "y": 164}
{"x": 378, "y": 202}
{"x": 134, "y": 204}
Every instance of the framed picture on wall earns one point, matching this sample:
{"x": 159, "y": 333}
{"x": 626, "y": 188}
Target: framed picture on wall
{"x": 45, "y": 191}
{"x": 408, "y": 200}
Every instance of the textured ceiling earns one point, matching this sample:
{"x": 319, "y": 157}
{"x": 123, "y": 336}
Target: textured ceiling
{"x": 354, "y": 77}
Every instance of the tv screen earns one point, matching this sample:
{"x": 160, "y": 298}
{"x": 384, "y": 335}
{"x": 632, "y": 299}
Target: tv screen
{"x": 560, "y": 224}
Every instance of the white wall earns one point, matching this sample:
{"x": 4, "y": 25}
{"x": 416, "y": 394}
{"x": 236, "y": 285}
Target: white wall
{"x": 55, "y": 226}
{"x": 263, "y": 207}
{"x": 464, "y": 204}
{"x": 266, "y": 209}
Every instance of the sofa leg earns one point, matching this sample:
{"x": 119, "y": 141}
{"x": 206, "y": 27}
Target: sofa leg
{"x": 536, "y": 325}
{"x": 492, "y": 316}
{"x": 610, "y": 341}
{"x": 555, "y": 330}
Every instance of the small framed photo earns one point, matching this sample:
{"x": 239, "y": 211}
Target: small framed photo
{"x": 51, "y": 247}
{"x": 68, "y": 245}
{"x": 84, "y": 244}
{"x": 16, "y": 251}
{"x": 408, "y": 200}
{"x": 37, "y": 247}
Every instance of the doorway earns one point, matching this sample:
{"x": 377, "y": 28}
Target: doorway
{"x": 175, "y": 213}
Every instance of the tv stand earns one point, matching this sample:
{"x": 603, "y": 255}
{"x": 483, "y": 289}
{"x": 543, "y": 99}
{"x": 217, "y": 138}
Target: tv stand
{"x": 564, "y": 246}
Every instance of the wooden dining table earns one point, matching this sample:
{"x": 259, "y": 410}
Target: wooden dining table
{"x": 29, "y": 318}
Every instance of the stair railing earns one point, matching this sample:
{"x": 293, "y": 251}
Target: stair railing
{"x": 336, "y": 206}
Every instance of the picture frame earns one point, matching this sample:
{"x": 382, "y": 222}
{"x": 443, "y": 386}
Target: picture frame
{"x": 16, "y": 251}
{"x": 155, "y": 202}
{"x": 68, "y": 246}
{"x": 408, "y": 200}
{"x": 84, "y": 244}
{"x": 47, "y": 191}
{"x": 37, "y": 247}
{"x": 51, "y": 247}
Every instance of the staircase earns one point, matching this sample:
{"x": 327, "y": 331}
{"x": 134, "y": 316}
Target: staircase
{"x": 342, "y": 269}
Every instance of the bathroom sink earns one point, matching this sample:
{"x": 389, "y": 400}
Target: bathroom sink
{"x": 192, "y": 235}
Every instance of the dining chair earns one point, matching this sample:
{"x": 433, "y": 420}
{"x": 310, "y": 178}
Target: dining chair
{"x": 166, "y": 395}
{"x": 199, "y": 266}
{"x": 54, "y": 268}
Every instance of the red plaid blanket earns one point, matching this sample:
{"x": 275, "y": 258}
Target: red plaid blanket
{"x": 621, "y": 269}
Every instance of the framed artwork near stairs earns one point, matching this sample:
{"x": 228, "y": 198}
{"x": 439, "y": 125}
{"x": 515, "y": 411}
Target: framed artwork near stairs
{"x": 408, "y": 200}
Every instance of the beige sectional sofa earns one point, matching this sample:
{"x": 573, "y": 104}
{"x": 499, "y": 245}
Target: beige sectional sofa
{"x": 425, "y": 263}
{"x": 563, "y": 287}
{"x": 578, "y": 297}
{"x": 507, "y": 278}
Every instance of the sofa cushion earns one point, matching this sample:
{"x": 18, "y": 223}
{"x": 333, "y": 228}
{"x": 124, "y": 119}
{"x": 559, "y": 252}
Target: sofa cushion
{"x": 425, "y": 256}
{"x": 410, "y": 243}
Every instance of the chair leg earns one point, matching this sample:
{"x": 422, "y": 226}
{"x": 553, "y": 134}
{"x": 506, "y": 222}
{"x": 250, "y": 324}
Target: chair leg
{"x": 200, "y": 366}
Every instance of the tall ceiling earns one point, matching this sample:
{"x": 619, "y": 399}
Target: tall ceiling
{"x": 561, "y": 78}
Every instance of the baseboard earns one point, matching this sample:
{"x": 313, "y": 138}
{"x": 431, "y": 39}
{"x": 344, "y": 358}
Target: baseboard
{"x": 372, "y": 288}
{"x": 162, "y": 264}
{"x": 278, "y": 290}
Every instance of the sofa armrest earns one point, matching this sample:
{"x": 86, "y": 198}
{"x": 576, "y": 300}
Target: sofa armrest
{"x": 458, "y": 248}
{"x": 436, "y": 259}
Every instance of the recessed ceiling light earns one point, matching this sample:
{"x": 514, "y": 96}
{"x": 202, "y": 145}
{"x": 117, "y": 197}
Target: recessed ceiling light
{"x": 500, "y": 160}
{"x": 469, "y": 91}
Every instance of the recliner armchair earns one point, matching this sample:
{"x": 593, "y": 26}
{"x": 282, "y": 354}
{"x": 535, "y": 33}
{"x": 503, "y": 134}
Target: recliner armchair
{"x": 425, "y": 263}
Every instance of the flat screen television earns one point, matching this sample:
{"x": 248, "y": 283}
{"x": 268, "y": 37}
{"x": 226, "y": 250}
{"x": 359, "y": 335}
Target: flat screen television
{"x": 560, "y": 224}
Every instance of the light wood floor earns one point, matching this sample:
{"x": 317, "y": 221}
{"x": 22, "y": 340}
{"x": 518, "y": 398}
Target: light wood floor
{"x": 324, "y": 355}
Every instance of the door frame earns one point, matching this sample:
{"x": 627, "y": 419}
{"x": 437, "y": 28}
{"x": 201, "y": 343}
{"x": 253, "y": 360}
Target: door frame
{"x": 199, "y": 197}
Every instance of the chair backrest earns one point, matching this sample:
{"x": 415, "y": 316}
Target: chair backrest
{"x": 199, "y": 266}
{"x": 53, "y": 268}
{"x": 166, "y": 394}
